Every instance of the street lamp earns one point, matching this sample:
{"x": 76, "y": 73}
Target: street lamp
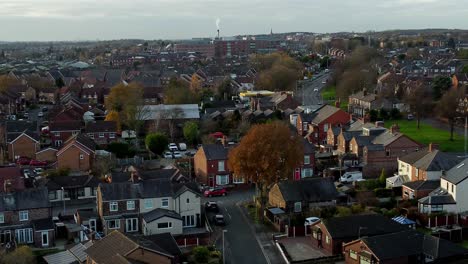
{"x": 224, "y": 258}
{"x": 63, "y": 199}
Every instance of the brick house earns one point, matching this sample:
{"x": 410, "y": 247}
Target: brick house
{"x": 330, "y": 234}
{"x": 77, "y": 154}
{"x": 26, "y": 217}
{"x": 61, "y": 131}
{"x": 306, "y": 169}
{"x": 418, "y": 189}
{"x": 48, "y": 95}
{"x": 118, "y": 248}
{"x": 278, "y": 101}
{"x": 211, "y": 166}
{"x": 343, "y": 140}
{"x": 102, "y": 132}
{"x": 80, "y": 188}
{"x": 11, "y": 177}
{"x": 24, "y": 145}
{"x": 301, "y": 196}
{"x": 332, "y": 137}
{"x": 323, "y": 119}
{"x": 47, "y": 154}
{"x": 405, "y": 247}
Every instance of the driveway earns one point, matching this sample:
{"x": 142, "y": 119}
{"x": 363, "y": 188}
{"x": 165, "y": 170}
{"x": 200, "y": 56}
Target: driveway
{"x": 240, "y": 244}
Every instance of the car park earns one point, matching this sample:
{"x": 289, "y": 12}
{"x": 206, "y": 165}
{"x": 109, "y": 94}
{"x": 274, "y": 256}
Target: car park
{"x": 311, "y": 220}
{"x": 215, "y": 192}
{"x": 211, "y": 206}
{"x": 167, "y": 155}
{"x": 173, "y": 147}
{"x": 219, "y": 220}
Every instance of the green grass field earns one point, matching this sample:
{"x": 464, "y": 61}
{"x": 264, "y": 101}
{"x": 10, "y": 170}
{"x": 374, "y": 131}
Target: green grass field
{"x": 329, "y": 93}
{"x": 427, "y": 134}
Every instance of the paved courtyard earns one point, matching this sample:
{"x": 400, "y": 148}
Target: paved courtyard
{"x": 300, "y": 248}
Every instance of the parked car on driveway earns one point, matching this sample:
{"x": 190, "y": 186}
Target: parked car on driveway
{"x": 173, "y": 147}
{"x": 211, "y": 206}
{"x": 215, "y": 192}
{"x": 37, "y": 163}
{"x": 351, "y": 176}
{"x": 23, "y": 161}
{"x": 311, "y": 220}
{"x": 167, "y": 155}
{"x": 177, "y": 155}
{"x": 40, "y": 114}
{"x": 219, "y": 220}
{"x": 182, "y": 146}
{"x": 38, "y": 171}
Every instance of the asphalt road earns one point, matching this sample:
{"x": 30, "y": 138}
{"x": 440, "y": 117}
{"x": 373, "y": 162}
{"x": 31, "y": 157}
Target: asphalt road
{"x": 306, "y": 93}
{"x": 240, "y": 244}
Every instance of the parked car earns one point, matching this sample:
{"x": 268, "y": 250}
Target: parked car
{"x": 45, "y": 109}
{"x": 315, "y": 90}
{"x": 26, "y": 115}
{"x": 38, "y": 171}
{"x": 40, "y": 114}
{"x": 219, "y": 220}
{"x": 37, "y": 163}
{"x": 167, "y": 155}
{"x": 177, "y": 155}
{"x": 190, "y": 153}
{"x": 215, "y": 192}
{"x": 351, "y": 176}
{"x": 173, "y": 147}
{"x": 410, "y": 117}
{"x": 182, "y": 146}
{"x": 311, "y": 220}
{"x": 23, "y": 161}
{"x": 211, "y": 206}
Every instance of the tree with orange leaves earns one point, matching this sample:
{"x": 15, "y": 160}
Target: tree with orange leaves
{"x": 266, "y": 155}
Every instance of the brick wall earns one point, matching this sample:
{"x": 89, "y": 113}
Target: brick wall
{"x": 38, "y": 239}
{"x": 12, "y": 217}
{"x": 122, "y": 208}
{"x": 48, "y": 155}
{"x": 23, "y": 146}
{"x": 275, "y": 198}
{"x": 70, "y": 158}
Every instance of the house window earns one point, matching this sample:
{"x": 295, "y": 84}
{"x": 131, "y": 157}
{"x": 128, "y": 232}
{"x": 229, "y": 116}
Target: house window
{"x": 237, "y": 179}
{"x": 24, "y": 236}
{"x": 58, "y": 143}
{"x": 297, "y": 207}
{"x": 57, "y": 134}
{"x": 113, "y": 224}
{"x": 113, "y": 206}
{"x": 112, "y": 135}
{"x": 101, "y": 135}
{"x": 5, "y": 236}
{"x": 452, "y": 187}
{"x": 165, "y": 202}
{"x": 221, "y": 165}
{"x": 81, "y": 156}
{"x": 306, "y": 159}
{"x": 327, "y": 239}
{"x": 131, "y": 225}
{"x": 446, "y": 185}
{"x": 52, "y": 195}
{"x": 45, "y": 238}
{"x": 130, "y": 205}
{"x": 188, "y": 221}
{"x": 222, "y": 179}
{"x": 188, "y": 200}
{"x": 353, "y": 254}
{"x": 325, "y": 127}
{"x": 364, "y": 260}
{"x": 165, "y": 225}
{"x": 2, "y": 218}
{"x": 387, "y": 153}
{"x": 148, "y": 204}
{"x": 306, "y": 172}
{"x": 91, "y": 135}
{"x": 437, "y": 208}
{"x": 23, "y": 215}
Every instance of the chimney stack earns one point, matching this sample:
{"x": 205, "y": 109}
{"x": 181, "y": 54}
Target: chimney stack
{"x": 218, "y": 33}
{"x": 433, "y": 147}
{"x": 395, "y": 128}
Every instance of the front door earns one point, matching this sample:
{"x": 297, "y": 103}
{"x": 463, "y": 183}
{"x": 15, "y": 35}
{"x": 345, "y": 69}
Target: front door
{"x": 45, "y": 238}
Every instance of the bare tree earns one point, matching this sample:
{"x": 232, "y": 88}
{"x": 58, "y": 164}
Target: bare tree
{"x": 419, "y": 100}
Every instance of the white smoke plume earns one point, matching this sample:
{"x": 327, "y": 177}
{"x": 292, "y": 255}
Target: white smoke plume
{"x": 217, "y": 22}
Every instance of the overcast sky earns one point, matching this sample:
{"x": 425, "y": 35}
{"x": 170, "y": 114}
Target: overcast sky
{"x": 176, "y": 19}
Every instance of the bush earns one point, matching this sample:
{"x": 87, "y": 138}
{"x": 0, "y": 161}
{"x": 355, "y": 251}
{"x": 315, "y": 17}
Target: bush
{"x": 382, "y": 192}
{"x": 357, "y": 208}
{"x": 121, "y": 150}
{"x": 343, "y": 211}
{"x": 392, "y": 213}
{"x": 201, "y": 254}
{"x": 156, "y": 143}
{"x": 370, "y": 184}
{"x": 215, "y": 254}
{"x": 59, "y": 172}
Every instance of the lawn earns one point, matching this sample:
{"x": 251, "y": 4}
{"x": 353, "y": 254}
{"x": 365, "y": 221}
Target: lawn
{"x": 329, "y": 95}
{"x": 427, "y": 134}
{"x": 464, "y": 243}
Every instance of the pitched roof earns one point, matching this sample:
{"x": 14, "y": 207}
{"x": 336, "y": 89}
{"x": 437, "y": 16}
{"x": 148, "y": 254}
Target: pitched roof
{"x": 458, "y": 173}
{"x": 438, "y": 196}
{"x": 422, "y": 185}
{"x": 311, "y": 190}
{"x": 56, "y": 183}
{"x": 414, "y": 156}
{"x": 159, "y": 213}
{"x": 435, "y": 160}
{"x": 363, "y": 140}
{"x": 387, "y": 138}
{"x": 365, "y": 225}
{"x": 138, "y": 190}
{"x": 101, "y": 126}
{"x": 114, "y": 243}
{"x": 26, "y": 199}
{"x": 65, "y": 126}
{"x": 167, "y": 242}
{"x": 215, "y": 152}
{"x": 325, "y": 112}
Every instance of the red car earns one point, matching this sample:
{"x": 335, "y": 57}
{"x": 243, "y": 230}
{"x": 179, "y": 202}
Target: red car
{"x": 215, "y": 192}
{"x": 37, "y": 163}
{"x": 23, "y": 161}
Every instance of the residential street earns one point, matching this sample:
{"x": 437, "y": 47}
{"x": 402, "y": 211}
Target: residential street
{"x": 307, "y": 95}
{"x": 241, "y": 246}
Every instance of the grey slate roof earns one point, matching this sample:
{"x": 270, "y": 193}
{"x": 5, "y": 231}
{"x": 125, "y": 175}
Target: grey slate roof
{"x": 370, "y": 225}
{"x": 414, "y": 156}
{"x": 119, "y": 191}
{"x": 215, "y": 152}
{"x": 348, "y": 135}
{"x": 26, "y": 199}
{"x": 437, "y": 161}
{"x": 56, "y": 183}
{"x": 323, "y": 113}
{"x": 167, "y": 242}
{"x": 309, "y": 190}
{"x": 458, "y": 173}
{"x": 422, "y": 185}
{"x": 437, "y": 197}
{"x": 364, "y": 140}
{"x": 387, "y": 137}
{"x": 374, "y": 147}
{"x": 159, "y": 213}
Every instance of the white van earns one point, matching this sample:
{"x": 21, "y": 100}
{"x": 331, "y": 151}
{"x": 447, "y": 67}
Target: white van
{"x": 182, "y": 146}
{"x": 351, "y": 176}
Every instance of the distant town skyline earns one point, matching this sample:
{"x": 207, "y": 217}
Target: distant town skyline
{"x": 52, "y": 20}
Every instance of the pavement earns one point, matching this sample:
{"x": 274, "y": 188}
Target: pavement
{"x": 306, "y": 93}
{"x": 242, "y": 243}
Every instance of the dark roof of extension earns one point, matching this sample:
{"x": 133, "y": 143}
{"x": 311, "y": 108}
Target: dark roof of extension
{"x": 167, "y": 242}
{"x": 409, "y": 243}
{"x": 348, "y": 135}
{"x": 423, "y": 185}
{"x": 101, "y": 126}
{"x": 56, "y": 183}
{"x": 215, "y": 152}
{"x": 364, "y": 140}
{"x": 26, "y": 199}
{"x": 414, "y": 156}
{"x": 65, "y": 126}
{"x": 159, "y": 213}
{"x": 458, "y": 173}
{"x": 369, "y": 225}
{"x": 311, "y": 190}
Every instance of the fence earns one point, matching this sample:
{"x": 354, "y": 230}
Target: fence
{"x": 298, "y": 231}
{"x": 130, "y": 161}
